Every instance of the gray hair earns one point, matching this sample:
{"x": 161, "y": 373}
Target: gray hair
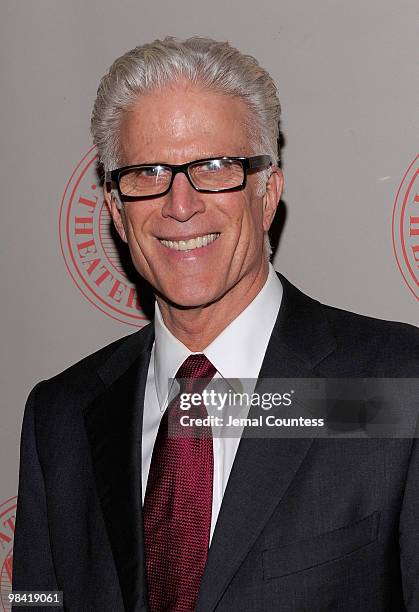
{"x": 216, "y": 66}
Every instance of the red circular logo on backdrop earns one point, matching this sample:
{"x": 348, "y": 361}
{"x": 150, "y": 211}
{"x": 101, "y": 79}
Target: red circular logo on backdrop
{"x": 405, "y": 227}
{"x": 7, "y": 530}
{"x": 96, "y": 260}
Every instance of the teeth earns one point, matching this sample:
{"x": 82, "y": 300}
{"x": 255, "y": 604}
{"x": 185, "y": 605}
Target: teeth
{"x": 189, "y": 245}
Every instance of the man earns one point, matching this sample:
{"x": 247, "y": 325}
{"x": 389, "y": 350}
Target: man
{"x": 121, "y": 515}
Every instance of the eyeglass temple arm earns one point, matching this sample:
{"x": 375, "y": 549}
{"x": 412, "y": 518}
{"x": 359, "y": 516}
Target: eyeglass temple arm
{"x": 259, "y": 161}
{"x": 109, "y": 180}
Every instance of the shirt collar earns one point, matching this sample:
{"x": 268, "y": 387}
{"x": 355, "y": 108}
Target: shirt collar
{"x": 237, "y": 353}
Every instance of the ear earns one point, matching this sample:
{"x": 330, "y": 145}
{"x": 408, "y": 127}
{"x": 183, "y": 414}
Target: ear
{"x": 272, "y": 196}
{"x": 116, "y": 210}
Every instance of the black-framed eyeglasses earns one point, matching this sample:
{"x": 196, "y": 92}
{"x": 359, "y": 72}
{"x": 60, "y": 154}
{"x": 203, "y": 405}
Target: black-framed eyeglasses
{"x": 210, "y": 175}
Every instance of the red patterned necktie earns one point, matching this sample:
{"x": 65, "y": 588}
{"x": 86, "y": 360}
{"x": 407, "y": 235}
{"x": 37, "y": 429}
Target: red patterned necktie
{"x": 178, "y": 499}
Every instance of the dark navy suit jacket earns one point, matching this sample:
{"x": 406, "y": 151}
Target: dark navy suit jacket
{"x": 305, "y": 524}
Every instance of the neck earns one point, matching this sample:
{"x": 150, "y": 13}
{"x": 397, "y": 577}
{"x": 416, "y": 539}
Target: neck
{"x": 197, "y": 327}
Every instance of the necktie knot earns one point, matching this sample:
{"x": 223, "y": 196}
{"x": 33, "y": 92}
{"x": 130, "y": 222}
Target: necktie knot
{"x": 194, "y": 373}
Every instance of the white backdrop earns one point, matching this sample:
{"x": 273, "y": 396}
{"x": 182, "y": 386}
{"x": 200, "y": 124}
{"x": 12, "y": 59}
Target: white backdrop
{"x": 345, "y": 77}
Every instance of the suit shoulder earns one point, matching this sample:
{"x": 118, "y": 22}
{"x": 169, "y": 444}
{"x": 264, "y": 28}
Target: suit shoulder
{"x": 363, "y": 326}
{"x": 82, "y": 376}
{"x": 395, "y": 345}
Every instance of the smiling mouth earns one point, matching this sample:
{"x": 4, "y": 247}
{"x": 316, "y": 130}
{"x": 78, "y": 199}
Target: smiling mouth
{"x": 193, "y": 243}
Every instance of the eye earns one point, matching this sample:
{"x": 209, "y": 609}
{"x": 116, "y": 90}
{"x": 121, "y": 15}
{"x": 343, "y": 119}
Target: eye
{"x": 152, "y": 171}
{"x": 211, "y": 166}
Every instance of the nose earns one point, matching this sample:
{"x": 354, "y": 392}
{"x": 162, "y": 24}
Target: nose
{"x": 183, "y": 201}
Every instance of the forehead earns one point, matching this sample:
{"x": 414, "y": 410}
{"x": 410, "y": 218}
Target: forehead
{"x": 183, "y": 122}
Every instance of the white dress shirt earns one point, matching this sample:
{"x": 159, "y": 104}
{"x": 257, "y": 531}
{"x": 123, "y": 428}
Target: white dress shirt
{"x": 237, "y": 353}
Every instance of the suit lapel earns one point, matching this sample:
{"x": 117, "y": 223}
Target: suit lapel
{"x": 114, "y": 424}
{"x": 264, "y": 468}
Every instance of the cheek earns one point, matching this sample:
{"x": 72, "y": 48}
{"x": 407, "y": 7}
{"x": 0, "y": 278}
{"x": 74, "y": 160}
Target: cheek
{"x": 252, "y": 221}
{"x": 242, "y": 211}
{"x": 137, "y": 222}
{"x": 252, "y": 233}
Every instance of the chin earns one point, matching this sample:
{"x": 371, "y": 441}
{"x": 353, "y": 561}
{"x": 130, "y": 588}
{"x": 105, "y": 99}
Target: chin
{"x": 189, "y": 297}
{"x": 191, "y": 301}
